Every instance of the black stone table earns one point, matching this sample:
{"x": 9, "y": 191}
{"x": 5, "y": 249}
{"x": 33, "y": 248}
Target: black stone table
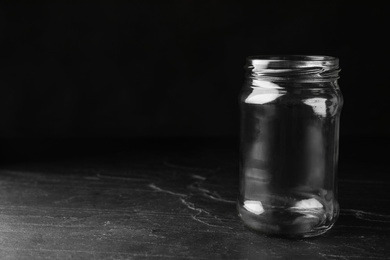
{"x": 160, "y": 204}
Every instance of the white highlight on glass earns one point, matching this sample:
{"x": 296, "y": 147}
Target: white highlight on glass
{"x": 318, "y": 105}
{"x": 307, "y": 204}
{"x": 263, "y": 92}
{"x": 254, "y": 206}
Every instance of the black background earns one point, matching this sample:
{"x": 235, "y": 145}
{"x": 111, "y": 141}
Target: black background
{"x": 167, "y": 69}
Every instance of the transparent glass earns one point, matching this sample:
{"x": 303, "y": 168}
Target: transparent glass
{"x": 290, "y": 112}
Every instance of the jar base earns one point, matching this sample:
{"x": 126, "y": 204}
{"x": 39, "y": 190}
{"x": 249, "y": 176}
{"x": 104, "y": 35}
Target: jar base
{"x": 287, "y": 223}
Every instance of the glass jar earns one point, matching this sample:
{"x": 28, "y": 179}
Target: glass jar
{"x": 290, "y": 112}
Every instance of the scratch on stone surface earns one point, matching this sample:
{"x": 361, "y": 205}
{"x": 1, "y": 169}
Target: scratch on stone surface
{"x": 308, "y": 242}
{"x": 119, "y": 177}
{"x": 364, "y": 215}
{"x": 154, "y": 235}
{"x": 192, "y": 207}
{"x": 154, "y": 187}
{"x": 194, "y": 217}
{"x": 198, "y": 177}
{"x": 199, "y": 211}
{"x": 218, "y": 198}
{"x": 209, "y": 194}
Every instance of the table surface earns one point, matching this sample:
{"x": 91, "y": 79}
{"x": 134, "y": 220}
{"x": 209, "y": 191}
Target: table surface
{"x": 175, "y": 204}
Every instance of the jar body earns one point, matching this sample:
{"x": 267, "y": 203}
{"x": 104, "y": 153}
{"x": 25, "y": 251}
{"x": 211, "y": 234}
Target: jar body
{"x": 288, "y": 156}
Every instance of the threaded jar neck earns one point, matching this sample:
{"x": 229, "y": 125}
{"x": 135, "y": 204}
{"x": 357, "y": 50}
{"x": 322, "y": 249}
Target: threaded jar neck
{"x": 301, "y": 68}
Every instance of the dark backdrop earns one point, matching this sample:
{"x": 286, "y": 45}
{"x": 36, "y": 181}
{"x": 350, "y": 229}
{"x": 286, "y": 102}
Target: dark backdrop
{"x": 174, "y": 68}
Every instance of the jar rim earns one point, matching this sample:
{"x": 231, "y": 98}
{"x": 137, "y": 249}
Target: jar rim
{"x": 293, "y": 57}
{"x": 292, "y": 61}
{"x": 294, "y": 67}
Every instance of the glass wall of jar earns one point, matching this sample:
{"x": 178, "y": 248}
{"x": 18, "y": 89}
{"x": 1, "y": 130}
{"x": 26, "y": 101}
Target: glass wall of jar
{"x": 290, "y": 113}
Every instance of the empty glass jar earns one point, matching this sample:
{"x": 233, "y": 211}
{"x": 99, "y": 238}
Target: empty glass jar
{"x": 290, "y": 111}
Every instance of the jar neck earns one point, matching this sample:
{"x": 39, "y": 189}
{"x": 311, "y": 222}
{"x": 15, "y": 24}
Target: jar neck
{"x": 297, "y": 68}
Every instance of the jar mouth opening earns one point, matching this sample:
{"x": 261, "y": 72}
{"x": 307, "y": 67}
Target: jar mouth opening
{"x": 296, "y": 67}
{"x": 293, "y": 58}
{"x": 292, "y": 61}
